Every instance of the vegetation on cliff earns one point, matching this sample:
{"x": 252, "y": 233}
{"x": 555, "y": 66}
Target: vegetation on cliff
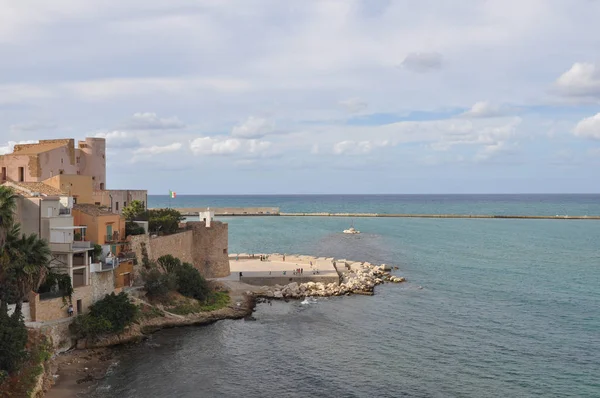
{"x": 169, "y": 275}
{"x": 112, "y": 314}
{"x": 24, "y": 263}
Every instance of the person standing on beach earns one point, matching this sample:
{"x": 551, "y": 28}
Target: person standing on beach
{"x": 284, "y": 257}
{"x": 240, "y": 275}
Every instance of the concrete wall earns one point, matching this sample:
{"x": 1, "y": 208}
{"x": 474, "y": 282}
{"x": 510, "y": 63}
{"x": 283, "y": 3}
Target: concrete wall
{"x": 24, "y": 310}
{"x": 52, "y": 309}
{"x": 120, "y": 198}
{"x": 205, "y": 248}
{"x": 77, "y": 186}
{"x": 284, "y": 280}
{"x": 92, "y": 161}
{"x": 28, "y": 214}
{"x": 103, "y": 283}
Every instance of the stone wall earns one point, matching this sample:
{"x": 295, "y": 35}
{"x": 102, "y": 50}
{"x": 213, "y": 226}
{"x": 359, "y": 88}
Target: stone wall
{"x": 103, "y": 283}
{"x": 210, "y": 248}
{"x": 205, "y": 248}
{"x": 52, "y": 309}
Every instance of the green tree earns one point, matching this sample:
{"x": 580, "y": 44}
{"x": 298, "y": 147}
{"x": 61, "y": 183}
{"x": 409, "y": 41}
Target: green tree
{"x": 164, "y": 221}
{"x": 97, "y": 252}
{"x": 8, "y": 206}
{"x": 28, "y": 258}
{"x": 135, "y": 211}
{"x": 13, "y": 340}
{"x": 111, "y": 314}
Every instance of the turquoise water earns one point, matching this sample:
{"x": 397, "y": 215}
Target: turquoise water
{"x": 508, "y": 308}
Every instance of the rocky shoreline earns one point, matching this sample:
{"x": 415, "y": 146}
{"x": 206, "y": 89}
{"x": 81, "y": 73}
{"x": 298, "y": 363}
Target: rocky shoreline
{"x": 357, "y": 278}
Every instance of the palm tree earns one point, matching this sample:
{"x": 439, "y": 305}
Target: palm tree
{"x": 8, "y": 205}
{"x": 27, "y": 266}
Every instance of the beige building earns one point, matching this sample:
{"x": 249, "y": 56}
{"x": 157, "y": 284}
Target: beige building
{"x": 80, "y": 171}
{"x": 47, "y": 212}
{"x": 48, "y": 158}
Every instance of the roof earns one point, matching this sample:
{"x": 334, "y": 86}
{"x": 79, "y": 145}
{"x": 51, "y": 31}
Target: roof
{"x": 93, "y": 210}
{"x": 32, "y": 149}
{"x": 29, "y": 187}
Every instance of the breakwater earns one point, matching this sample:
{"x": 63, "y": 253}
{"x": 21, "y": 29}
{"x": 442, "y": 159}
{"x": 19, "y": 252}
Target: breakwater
{"x": 275, "y": 211}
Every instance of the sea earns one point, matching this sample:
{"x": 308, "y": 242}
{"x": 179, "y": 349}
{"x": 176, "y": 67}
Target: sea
{"x": 492, "y": 307}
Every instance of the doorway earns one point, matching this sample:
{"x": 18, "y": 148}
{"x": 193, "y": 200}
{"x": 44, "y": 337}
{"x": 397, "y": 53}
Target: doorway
{"x": 126, "y": 280}
{"x": 79, "y": 307}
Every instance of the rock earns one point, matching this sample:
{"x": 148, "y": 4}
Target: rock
{"x": 278, "y": 294}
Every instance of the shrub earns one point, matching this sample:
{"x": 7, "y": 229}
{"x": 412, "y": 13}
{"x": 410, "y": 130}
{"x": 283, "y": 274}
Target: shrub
{"x": 132, "y": 228}
{"x": 168, "y": 263}
{"x": 158, "y": 284}
{"x": 164, "y": 221}
{"x": 110, "y": 315}
{"x": 190, "y": 283}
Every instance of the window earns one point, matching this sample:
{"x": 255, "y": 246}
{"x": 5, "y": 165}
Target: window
{"x": 21, "y": 174}
{"x": 78, "y": 159}
{"x": 117, "y": 206}
{"x": 124, "y": 204}
{"x": 4, "y": 174}
{"x": 97, "y": 203}
{"x": 102, "y": 186}
{"x": 74, "y": 200}
{"x": 224, "y": 251}
{"x": 61, "y": 171}
{"x": 62, "y": 161}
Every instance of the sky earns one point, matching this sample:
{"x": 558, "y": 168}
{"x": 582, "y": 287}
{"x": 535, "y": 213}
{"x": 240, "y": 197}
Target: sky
{"x": 312, "y": 96}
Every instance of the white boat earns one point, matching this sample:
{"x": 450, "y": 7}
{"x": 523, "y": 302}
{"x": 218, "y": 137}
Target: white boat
{"x": 351, "y": 230}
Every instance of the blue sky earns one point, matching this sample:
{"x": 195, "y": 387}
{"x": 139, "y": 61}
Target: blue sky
{"x": 328, "y": 96}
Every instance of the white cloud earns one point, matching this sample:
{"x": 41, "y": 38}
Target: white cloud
{"x": 230, "y": 146}
{"x": 215, "y": 146}
{"x": 588, "y": 127}
{"x": 253, "y": 127}
{"x": 582, "y": 80}
{"x": 354, "y": 105}
{"x": 422, "y": 62}
{"x": 120, "y": 139}
{"x": 483, "y": 109}
{"x": 157, "y": 149}
{"x": 150, "y": 121}
{"x": 357, "y": 147}
{"x": 10, "y": 146}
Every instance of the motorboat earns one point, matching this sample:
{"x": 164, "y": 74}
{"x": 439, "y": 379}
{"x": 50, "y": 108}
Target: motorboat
{"x": 351, "y": 230}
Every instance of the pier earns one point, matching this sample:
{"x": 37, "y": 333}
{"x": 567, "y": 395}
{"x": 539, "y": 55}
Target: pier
{"x": 274, "y": 211}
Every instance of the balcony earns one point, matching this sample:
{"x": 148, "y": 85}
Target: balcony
{"x": 115, "y": 237}
{"x": 82, "y": 244}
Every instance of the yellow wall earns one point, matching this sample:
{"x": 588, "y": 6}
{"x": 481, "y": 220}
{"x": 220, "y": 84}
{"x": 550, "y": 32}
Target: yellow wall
{"x": 78, "y": 186}
{"x": 96, "y": 226}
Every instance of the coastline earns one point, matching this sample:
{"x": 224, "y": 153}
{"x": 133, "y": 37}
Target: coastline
{"x": 79, "y": 369}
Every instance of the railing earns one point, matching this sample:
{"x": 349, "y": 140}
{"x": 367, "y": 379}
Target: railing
{"x": 82, "y": 244}
{"x": 112, "y": 238}
{"x": 64, "y": 211}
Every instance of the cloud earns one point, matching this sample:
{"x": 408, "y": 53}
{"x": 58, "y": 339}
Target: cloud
{"x": 120, "y": 139}
{"x": 490, "y": 151}
{"x": 10, "y": 146}
{"x": 354, "y": 105}
{"x": 357, "y": 148}
{"x": 253, "y": 127}
{"x": 31, "y": 126}
{"x": 582, "y": 80}
{"x": 484, "y": 109}
{"x": 150, "y": 121}
{"x": 157, "y": 149}
{"x": 422, "y": 62}
{"x": 588, "y": 127}
{"x": 222, "y": 146}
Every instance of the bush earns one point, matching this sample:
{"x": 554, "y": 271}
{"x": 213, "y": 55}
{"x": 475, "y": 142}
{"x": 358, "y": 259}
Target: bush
{"x": 157, "y": 284}
{"x": 110, "y": 315}
{"x": 13, "y": 339}
{"x": 132, "y": 228}
{"x": 190, "y": 283}
{"x": 169, "y": 264}
{"x": 165, "y": 221}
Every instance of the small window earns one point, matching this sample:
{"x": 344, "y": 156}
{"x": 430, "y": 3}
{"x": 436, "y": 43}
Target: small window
{"x": 97, "y": 203}
{"x": 62, "y": 161}
{"x": 93, "y": 178}
{"x": 21, "y": 174}
{"x": 4, "y": 174}
{"x": 224, "y": 251}
{"x": 61, "y": 171}
{"x": 74, "y": 200}
{"x": 78, "y": 159}
{"x": 117, "y": 206}
{"x": 124, "y": 204}
{"x": 101, "y": 185}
